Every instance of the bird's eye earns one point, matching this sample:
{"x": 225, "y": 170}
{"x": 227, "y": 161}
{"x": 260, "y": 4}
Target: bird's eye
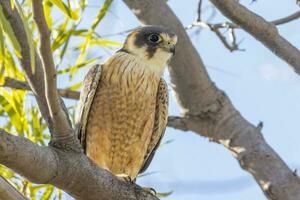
{"x": 154, "y": 38}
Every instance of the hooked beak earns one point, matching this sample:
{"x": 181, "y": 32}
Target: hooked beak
{"x": 172, "y": 48}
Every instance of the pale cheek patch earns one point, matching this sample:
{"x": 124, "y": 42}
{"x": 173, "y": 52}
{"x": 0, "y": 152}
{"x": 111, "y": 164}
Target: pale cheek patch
{"x": 160, "y": 58}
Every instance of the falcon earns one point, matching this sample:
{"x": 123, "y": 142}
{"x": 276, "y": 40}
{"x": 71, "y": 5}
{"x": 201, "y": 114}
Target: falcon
{"x": 123, "y": 108}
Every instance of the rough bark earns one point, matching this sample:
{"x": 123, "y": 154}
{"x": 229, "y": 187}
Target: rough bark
{"x": 71, "y": 171}
{"x": 209, "y": 112}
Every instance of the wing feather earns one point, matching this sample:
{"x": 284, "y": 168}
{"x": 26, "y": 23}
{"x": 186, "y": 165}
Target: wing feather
{"x": 160, "y": 122}
{"x": 90, "y": 84}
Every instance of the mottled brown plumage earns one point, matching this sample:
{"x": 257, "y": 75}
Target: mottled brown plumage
{"x": 123, "y": 107}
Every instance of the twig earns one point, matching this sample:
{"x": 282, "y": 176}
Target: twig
{"x": 199, "y": 10}
{"x": 276, "y": 22}
{"x": 262, "y": 30}
{"x": 16, "y": 84}
{"x": 232, "y": 46}
{"x": 62, "y": 130}
{"x": 287, "y": 19}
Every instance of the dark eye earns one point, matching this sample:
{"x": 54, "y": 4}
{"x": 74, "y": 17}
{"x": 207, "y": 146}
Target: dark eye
{"x": 154, "y": 38}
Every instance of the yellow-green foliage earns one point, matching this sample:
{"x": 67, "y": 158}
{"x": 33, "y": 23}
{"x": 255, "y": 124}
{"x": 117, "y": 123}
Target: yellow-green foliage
{"x": 19, "y": 113}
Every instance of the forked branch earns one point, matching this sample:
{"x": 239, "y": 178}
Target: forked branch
{"x": 62, "y": 131}
{"x": 262, "y": 30}
{"x": 208, "y": 111}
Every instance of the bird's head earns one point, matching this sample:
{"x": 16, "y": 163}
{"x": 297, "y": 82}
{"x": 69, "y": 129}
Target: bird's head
{"x": 155, "y": 45}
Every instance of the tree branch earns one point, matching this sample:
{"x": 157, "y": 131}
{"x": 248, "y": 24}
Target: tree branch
{"x": 262, "y": 30}
{"x": 287, "y": 19}
{"x": 73, "y": 172}
{"x": 62, "y": 130}
{"x": 232, "y": 45}
{"x": 209, "y": 112}
{"x": 231, "y": 25}
{"x": 34, "y": 79}
{"x": 21, "y": 85}
{"x": 9, "y": 192}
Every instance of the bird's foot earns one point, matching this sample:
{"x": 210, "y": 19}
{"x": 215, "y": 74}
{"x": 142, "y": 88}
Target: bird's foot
{"x": 124, "y": 177}
{"x": 149, "y": 190}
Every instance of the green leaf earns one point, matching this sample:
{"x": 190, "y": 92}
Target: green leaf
{"x": 6, "y": 173}
{"x": 65, "y": 9}
{"x": 101, "y": 13}
{"x": 13, "y": 115}
{"x": 12, "y": 4}
{"x": 48, "y": 192}
{"x": 11, "y": 69}
{"x": 29, "y": 37}
{"x": 75, "y": 68}
{"x": 105, "y": 42}
{"x": 10, "y": 33}
{"x": 83, "y": 49}
{"x": 2, "y": 56}
{"x": 84, "y": 46}
{"x": 147, "y": 174}
{"x": 163, "y": 194}
{"x": 47, "y": 10}
{"x": 75, "y": 86}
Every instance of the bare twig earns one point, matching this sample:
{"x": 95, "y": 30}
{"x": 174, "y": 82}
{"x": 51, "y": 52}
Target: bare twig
{"x": 287, "y": 19}
{"x": 276, "y": 22}
{"x": 199, "y": 10}
{"x": 233, "y": 45}
{"x": 262, "y": 30}
{"x": 16, "y": 84}
{"x": 62, "y": 130}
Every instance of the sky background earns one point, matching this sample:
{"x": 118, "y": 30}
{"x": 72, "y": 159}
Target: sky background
{"x": 260, "y": 85}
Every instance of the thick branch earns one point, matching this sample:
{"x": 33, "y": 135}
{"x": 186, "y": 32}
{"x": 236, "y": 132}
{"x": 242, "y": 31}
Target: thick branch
{"x": 262, "y": 30}
{"x": 16, "y": 84}
{"x": 70, "y": 171}
{"x": 62, "y": 129}
{"x": 208, "y": 111}
{"x": 9, "y": 192}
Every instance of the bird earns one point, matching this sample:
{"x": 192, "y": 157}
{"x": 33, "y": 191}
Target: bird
{"x": 123, "y": 108}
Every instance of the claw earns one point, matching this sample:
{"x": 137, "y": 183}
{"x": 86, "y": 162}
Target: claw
{"x": 124, "y": 177}
{"x": 149, "y": 190}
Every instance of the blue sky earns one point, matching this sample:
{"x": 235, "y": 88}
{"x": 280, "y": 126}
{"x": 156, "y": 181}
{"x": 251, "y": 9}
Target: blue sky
{"x": 261, "y": 86}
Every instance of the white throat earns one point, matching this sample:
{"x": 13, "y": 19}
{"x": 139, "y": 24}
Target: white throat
{"x": 155, "y": 65}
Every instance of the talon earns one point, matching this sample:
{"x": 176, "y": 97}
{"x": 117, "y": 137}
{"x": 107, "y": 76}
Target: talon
{"x": 149, "y": 190}
{"x": 124, "y": 177}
